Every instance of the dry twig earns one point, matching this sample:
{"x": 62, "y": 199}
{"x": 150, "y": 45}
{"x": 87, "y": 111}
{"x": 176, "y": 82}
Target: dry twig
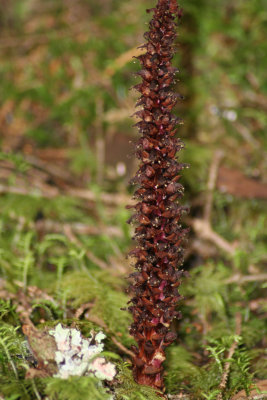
{"x": 79, "y": 312}
{"x": 48, "y": 225}
{"x": 201, "y": 226}
{"x": 204, "y": 230}
{"x": 70, "y": 235}
{"x": 218, "y": 155}
{"x": 101, "y": 323}
{"x": 100, "y": 141}
{"x": 32, "y": 39}
{"x": 230, "y": 354}
{"x": 51, "y": 192}
{"x": 237, "y": 278}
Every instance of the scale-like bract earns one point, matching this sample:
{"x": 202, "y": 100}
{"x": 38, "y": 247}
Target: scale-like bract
{"x": 158, "y": 233}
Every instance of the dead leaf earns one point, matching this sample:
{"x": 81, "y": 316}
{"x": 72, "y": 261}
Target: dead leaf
{"x": 259, "y": 394}
{"x": 236, "y": 183}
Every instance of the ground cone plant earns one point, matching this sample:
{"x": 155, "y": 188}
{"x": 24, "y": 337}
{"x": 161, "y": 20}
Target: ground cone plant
{"x": 158, "y": 232}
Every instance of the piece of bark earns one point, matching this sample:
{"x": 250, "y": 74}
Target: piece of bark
{"x": 43, "y": 348}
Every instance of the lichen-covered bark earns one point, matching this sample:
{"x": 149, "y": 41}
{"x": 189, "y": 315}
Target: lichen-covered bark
{"x": 158, "y": 232}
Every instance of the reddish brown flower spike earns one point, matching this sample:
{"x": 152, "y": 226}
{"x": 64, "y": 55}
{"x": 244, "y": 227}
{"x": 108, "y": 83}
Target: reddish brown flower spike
{"x": 158, "y": 233}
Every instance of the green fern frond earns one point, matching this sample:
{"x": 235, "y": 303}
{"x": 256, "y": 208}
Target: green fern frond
{"x": 25, "y": 262}
{"x": 253, "y": 331}
{"x": 7, "y": 309}
{"x": 84, "y": 287}
{"x": 21, "y": 389}
{"x": 180, "y": 369}
{"x": 241, "y": 377}
{"x": 207, "y": 288}
{"x": 12, "y": 349}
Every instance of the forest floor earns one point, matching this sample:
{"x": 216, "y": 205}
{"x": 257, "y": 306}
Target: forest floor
{"x": 65, "y": 162}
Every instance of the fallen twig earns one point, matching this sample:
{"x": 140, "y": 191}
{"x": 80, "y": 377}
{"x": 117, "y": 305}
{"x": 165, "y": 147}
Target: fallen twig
{"x": 218, "y": 155}
{"x": 204, "y": 230}
{"x": 79, "y": 312}
{"x": 53, "y": 170}
{"x": 237, "y": 278}
{"x": 101, "y": 323}
{"x": 100, "y": 141}
{"x": 32, "y": 39}
{"x": 79, "y": 228}
{"x": 246, "y": 135}
{"x": 51, "y": 192}
{"x": 108, "y": 198}
{"x": 201, "y": 226}
{"x": 70, "y": 235}
{"x": 230, "y": 354}
{"x": 123, "y": 59}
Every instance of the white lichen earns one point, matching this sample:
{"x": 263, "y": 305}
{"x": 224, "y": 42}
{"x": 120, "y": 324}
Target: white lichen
{"x": 76, "y": 355}
{"x": 102, "y": 369}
